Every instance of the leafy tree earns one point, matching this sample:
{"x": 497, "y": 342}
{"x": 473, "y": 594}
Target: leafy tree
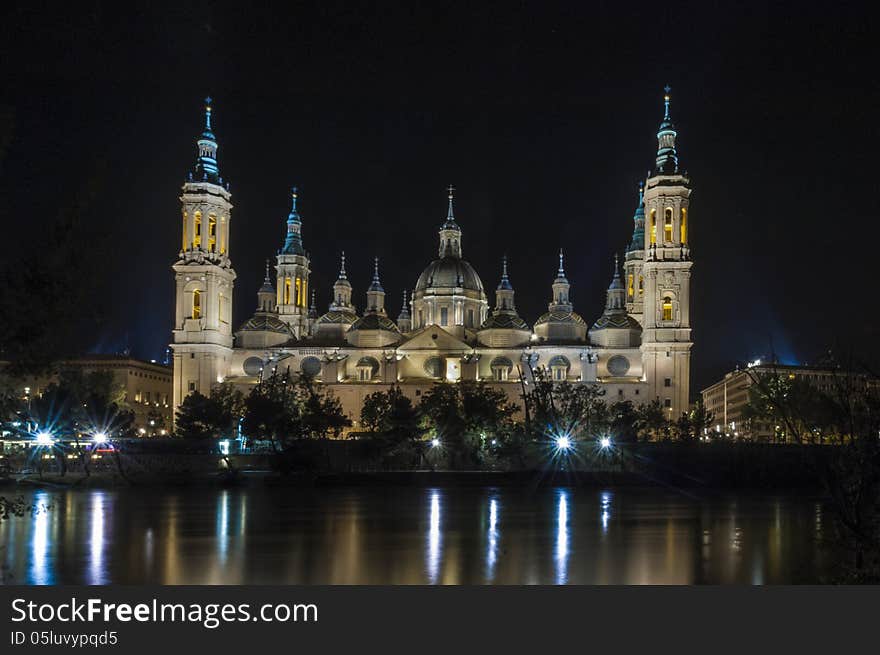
{"x": 285, "y": 409}
{"x": 470, "y": 418}
{"x": 197, "y": 417}
{"x": 394, "y": 424}
{"x": 576, "y": 410}
{"x": 652, "y": 422}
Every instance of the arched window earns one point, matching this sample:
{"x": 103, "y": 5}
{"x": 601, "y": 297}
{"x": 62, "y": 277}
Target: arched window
{"x": 298, "y": 289}
{"x": 197, "y": 229}
{"x": 653, "y": 226}
{"x": 667, "y": 226}
{"x": 197, "y": 304}
{"x": 630, "y": 287}
{"x": 667, "y": 308}
{"x": 212, "y": 232}
{"x": 501, "y": 367}
{"x": 287, "y": 291}
{"x": 684, "y": 225}
{"x": 641, "y": 285}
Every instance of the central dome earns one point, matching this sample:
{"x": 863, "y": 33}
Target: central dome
{"x": 449, "y": 272}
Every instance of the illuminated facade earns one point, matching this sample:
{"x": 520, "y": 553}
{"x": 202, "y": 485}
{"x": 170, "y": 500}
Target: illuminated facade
{"x": 638, "y": 349}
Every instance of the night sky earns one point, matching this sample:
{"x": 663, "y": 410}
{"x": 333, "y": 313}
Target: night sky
{"x": 543, "y": 116}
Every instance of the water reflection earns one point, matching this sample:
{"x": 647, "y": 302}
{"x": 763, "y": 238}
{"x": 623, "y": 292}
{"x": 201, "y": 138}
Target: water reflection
{"x": 411, "y": 536}
{"x": 97, "y": 573}
{"x": 434, "y": 539}
{"x": 562, "y": 537}
{"x": 492, "y": 540}
{"x": 40, "y": 571}
{"x": 606, "y": 509}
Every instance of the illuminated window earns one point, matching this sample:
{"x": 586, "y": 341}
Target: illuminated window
{"x": 653, "y": 226}
{"x": 667, "y": 226}
{"x": 630, "y": 288}
{"x": 212, "y": 232}
{"x": 197, "y": 304}
{"x": 287, "y": 291}
{"x": 684, "y": 225}
{"x": 197, "y": 229}
{"x": 297, "y": 284}
{"x": 667, "y": 308}
{"x": 222, "y": 236}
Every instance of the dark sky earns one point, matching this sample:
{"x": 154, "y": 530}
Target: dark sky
{"x": 543, "y": 115}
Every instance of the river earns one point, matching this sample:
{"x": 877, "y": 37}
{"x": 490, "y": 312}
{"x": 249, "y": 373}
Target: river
{"x": 409, "y": 535}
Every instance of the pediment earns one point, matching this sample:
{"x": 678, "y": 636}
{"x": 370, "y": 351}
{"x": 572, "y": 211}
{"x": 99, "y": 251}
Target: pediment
{"x": 433, "y": 338}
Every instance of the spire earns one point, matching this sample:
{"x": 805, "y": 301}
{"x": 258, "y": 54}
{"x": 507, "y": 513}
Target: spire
{"x": 560, "y": 274}
{"x": 505, "y": 281}
{"x": 404, "y": 309}
{"x": 667, "y": 158}
{"x": 450, "y": 216}
{"x": 342, "y": 267}
{"x": 206, "y": 169}
{"x": 375, "y": 285}
{"x": 504, "y": 292}
{"x": 293, "y": 241}
{"x": 616, "y": 298}
{"x": 266, "y": 294}
{"x": 638, "y": 238}
{"x": 375, "y": 292}
{"x": 450, "y": 232}
{"x": 561, "y": 288}
{"x": 267, "y": 281}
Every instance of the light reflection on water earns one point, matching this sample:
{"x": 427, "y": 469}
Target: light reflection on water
{"x": 413, "y": 536}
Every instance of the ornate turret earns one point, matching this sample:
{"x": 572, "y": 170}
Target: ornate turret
{"x": 374, "y": 329}
{"x": 266, "y": 294}
{"x": 504, "y": 327}
{"x": 342, "y": 290}
{"x": 561, "y": 323}
{"x": 293, "y": 274}
{"x": 206, "y": 168}
{"x": 450, "y": 232}
{"x": 404, "y": 320}
{"x": 293, "y": 244}
{"x": 264, "y": 329}
{"x": 375, "y": 292}
{"x": 561, "y": 288}
{"x": 667, "y": 158}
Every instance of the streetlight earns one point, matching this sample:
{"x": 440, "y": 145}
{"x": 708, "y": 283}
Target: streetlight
{"x": 605, "y": 443}
{"x": 99, "y": 438}
{"x": 435, "y": 443}
{"x": 563, "y": 442}
{"x": 44, "y": 438}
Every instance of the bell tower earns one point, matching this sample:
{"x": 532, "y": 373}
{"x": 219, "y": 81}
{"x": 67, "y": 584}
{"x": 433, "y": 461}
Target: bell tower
{"x": 203, "y": 274}
{"x": 293, "y": 275}
{"x": 666, "y": 321}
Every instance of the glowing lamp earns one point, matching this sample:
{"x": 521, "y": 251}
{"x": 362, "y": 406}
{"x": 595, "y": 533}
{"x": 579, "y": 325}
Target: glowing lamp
{"x": 563, "y": 443}
{"x": 435, "y": 443}
{"x": 99, "y": 437}
{"x": 44, "y": 438}
{"x": 605, "y": 443}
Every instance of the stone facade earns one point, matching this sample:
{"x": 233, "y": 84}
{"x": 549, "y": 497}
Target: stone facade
{"x": 637, "y": 350}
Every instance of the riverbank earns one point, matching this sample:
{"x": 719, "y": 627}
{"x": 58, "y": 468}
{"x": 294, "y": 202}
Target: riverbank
{"x": 730, "y": 466}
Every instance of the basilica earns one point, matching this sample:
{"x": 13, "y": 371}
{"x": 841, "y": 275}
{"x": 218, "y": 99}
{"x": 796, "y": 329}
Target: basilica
{"x": 637, "y": 348}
